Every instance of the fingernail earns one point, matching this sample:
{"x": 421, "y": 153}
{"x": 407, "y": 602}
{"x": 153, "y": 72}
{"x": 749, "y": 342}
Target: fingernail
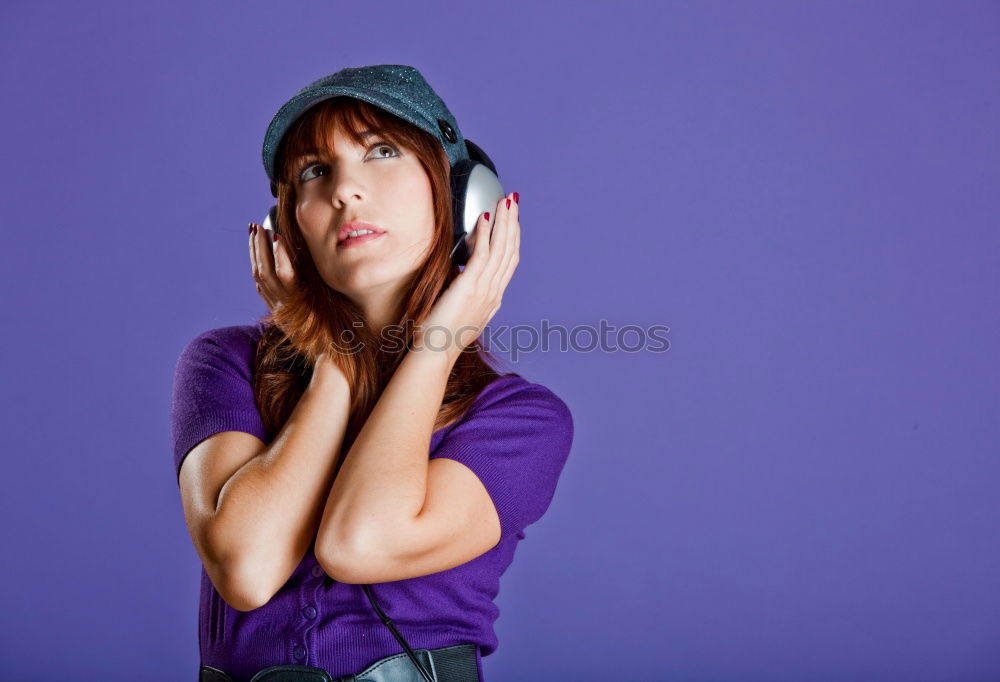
{"x": 508, "y": 203}
{"x": 275, "y": 236}
{"x": 250, "y": 229}
{"x": 487, "y": 215}
{"x": 515, "y": 198}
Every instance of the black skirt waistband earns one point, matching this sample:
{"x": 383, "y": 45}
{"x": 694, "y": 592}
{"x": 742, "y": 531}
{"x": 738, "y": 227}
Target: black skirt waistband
{"x": 446, "y": 664}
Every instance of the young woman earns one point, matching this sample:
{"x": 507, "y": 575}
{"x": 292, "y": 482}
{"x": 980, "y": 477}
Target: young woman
{"x": 358, "y": 439}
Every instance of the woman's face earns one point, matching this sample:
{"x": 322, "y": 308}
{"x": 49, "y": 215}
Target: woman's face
{"x": 376, "y": 183}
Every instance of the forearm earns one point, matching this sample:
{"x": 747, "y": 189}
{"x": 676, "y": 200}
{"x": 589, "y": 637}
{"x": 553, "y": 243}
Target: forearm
{"x": 382, "y": 483}
{"x": 269, "y": 510}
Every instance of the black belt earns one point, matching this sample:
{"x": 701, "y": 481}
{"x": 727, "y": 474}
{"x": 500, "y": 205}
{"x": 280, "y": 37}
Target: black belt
{"x": 447, "y": 664}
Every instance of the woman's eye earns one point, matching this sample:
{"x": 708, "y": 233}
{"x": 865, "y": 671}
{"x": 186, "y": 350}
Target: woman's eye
{"x": 302, "y": 174}
{"x": 304, "y": 177}
{"x": 385, "y": 145}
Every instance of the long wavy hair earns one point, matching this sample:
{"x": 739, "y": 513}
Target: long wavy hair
{"x": 317, "y": 319}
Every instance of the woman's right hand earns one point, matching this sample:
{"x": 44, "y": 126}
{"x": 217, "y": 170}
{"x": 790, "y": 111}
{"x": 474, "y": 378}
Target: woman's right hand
{"x": 271, "y": 268}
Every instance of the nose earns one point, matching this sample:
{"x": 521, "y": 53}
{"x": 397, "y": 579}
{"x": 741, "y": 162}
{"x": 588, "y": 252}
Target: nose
{"x": 347, "y": 186}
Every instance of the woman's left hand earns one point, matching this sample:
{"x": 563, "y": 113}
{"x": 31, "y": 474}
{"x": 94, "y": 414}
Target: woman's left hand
{"x": 472, "y": 299}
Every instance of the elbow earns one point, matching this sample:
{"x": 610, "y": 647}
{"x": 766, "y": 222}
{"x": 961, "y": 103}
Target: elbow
{"x": 236, "y": 575}
{"x": 245, "y": 594}
{"x": 238, "y": 587}
{"x": 341, "y": 560}
{"x": 357, "y": 556}
{"x": 334, "y": 564}
{"x": 242, "y": 600}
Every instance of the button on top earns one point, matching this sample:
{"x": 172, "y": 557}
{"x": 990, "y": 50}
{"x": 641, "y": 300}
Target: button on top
{"x": 447, "y": 130}
{"x": 299, "y": 653}
{"x": 309, "y": 612}
{"x": 317, "y": 571}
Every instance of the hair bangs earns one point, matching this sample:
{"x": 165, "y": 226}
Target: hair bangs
{"x": 313, "y": 133}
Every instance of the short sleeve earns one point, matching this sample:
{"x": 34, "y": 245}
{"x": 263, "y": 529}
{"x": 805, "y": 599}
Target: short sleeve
{"x": 213, "y": 390}
{"x": 517, "y": 444}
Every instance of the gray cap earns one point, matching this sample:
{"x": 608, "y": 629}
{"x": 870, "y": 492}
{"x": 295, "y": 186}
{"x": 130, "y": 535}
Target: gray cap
{"x": 398, "y": 89}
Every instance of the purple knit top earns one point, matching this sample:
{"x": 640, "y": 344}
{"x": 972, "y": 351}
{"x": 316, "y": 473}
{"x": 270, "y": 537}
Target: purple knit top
{"x": 516, "y": 437}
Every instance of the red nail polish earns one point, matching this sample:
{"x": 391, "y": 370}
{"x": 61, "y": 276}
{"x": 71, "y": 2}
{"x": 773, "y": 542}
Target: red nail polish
{"x": 250, "y": 229}
{"x": 515, "y": 198}
{"x": 487, "y": 215}
{"x": 275, "y": 237}
{"x": 508, "y": 203}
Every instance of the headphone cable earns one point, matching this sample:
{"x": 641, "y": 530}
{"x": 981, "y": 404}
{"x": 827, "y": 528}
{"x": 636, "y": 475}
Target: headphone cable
{"x": 388, "y": 622}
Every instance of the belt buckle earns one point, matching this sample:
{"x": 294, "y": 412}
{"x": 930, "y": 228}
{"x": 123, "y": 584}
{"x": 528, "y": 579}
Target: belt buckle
{"x": 293, "y": 673}
{"x": 209, "y": 674}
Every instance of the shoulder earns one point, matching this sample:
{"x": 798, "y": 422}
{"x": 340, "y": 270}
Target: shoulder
{"x": 234, "y": 344}
{"x": 237, "y": 336}
{"x": 511, "y": 396}
{"x": 213, "y": 388}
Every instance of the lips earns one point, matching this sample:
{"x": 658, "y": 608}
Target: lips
{"x": 347, "y": 228}
{"x": 354, "y": 241}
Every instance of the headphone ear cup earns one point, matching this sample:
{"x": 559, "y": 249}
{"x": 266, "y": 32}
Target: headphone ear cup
{"x": 271, "y": 220}
{"x": 475, "y": 188}
{"x": 460, "y": 173}
{"x": 476, "y": 153}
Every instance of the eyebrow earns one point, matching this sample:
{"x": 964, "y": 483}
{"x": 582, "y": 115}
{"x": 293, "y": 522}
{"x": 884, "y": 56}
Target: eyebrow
{"x": 312, "y": 151}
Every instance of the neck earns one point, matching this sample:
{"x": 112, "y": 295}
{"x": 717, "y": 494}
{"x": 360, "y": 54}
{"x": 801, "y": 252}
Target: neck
{"x": 380, "y": 308}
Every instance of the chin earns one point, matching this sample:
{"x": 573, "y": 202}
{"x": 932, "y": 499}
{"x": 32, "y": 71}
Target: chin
{"x": 362, "y": 278}
{"x": 355, "y": 276}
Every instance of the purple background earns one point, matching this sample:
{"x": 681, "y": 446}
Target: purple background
{"x": 805, "y": 486}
